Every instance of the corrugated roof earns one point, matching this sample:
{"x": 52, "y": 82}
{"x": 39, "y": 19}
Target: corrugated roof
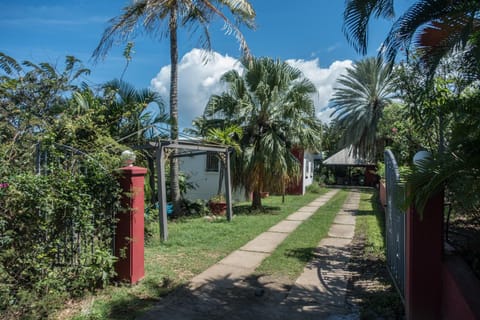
{"x": 346, "y": 157}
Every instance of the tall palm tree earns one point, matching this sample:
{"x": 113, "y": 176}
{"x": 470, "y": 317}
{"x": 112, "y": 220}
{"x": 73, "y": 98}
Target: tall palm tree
{"x": 359, "y": 99}
{"x": 271, "y": 101}
{"x": 433, "y": 27}
{"x": 162, "y": 18}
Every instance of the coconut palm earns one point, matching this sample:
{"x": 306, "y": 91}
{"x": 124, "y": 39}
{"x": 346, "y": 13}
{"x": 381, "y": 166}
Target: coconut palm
{"x": 359, "y": 99}
{"x": 162, "y": 18}
{"x": 435, "y": 27}
{"x": 271, "y": 101}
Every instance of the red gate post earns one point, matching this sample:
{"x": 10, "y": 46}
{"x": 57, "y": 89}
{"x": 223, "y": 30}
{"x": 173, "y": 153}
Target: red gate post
{"x": 424, "y": 248}
{"x": 129, "y": 234}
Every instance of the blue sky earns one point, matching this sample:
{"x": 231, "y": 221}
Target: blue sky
{"x": 307, "y": 33}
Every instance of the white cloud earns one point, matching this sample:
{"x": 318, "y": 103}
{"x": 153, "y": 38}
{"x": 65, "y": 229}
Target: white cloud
{"x": 324, "y": 79}
{"x": 198, "y": 79}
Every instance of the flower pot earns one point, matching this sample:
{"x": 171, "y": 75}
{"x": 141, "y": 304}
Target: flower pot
{"x": 218, "y": 208}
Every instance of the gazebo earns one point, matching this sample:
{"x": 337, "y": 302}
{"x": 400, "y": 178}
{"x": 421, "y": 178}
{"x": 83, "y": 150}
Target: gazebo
{"x": 351, "y": 169}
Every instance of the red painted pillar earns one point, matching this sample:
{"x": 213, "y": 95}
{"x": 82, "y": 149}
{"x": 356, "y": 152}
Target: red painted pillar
{"x": 424, "y": 248}
{"x": 129, "y": 234}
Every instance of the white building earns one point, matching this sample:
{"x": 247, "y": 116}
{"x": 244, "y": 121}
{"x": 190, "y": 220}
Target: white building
{"x": 203, "y": 171}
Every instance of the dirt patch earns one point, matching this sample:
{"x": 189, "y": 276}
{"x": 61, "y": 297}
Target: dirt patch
{"x": 370, "y": 287}
{"x": 464, "y": 236}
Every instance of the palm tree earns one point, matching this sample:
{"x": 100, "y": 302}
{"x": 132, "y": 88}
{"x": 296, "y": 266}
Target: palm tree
{"x": 161, "y": 18}
{"x": 359, "y": 99}
{"x": 434, "y": 27}
{"x": 271, "y": 101}
{"x": 127, "y": 115}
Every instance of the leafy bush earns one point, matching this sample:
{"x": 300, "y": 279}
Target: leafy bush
{"x": 56, "y": 235}
{"x": 58, "y": 198}
{"x": 314, "y": 188}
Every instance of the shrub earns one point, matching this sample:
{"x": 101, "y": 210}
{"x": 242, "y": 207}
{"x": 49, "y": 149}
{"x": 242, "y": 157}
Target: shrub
{"x": 314, "y": 188}
{"x": 55, "y": 235}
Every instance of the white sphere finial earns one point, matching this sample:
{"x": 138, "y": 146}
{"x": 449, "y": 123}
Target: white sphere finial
{"x": 128, "y": 158}
{"x": 421, "y": 156}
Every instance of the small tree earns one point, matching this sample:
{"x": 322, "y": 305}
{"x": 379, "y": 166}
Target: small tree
{"x": 229, "y": 136}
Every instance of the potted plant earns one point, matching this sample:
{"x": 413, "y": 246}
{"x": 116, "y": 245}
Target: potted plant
{"x": 218, "y": 205}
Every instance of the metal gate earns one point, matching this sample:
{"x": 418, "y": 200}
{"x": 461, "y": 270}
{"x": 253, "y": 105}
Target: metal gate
{"x": 395, "y": 222}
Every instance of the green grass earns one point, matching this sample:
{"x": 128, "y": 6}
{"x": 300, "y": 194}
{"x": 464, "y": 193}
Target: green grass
{"x": 289, "y": 259}
{"x": 383, "y": 303}
{"x": 193, "y": 245}
{"x": 371, "y": 223}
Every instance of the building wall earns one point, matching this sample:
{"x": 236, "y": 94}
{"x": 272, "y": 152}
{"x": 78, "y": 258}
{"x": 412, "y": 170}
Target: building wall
{"x": 306, "y": 162}
{"x": 308, "y": 167}
{"x": 206, "y": 182}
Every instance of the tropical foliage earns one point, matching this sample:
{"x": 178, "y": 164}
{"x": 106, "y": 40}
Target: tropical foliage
{"x": 59, "y": 194}
{"x": 271, "y": 101}
{"x": 229, "y": 136}
{"x": 161, "y": 18}
{"x": 430, "y": 28}
{"x": 437, "y": 84}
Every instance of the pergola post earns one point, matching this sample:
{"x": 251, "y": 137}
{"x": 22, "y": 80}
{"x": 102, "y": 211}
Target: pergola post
{"x": 162, "y": 194}
{"x": 161, "y": 157}
{"x": 228, "y": 189}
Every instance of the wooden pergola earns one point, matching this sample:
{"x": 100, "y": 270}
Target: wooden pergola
{"x": 164, "y": 150}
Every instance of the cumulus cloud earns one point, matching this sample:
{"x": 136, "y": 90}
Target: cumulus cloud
{"x": 199, "y": 79}
{"x": 324, "y": 80}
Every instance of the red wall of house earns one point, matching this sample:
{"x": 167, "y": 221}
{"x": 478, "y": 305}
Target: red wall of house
{"x": 297, "y": 188}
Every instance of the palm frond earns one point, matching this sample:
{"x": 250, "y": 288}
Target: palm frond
{"x": 356, "y": 17}
{"x": 9, "y": 64}
{"x": 433, "y": 26}
{"x": 121, "y": 27}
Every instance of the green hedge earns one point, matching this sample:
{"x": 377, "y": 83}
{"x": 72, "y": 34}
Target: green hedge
{"x": 56, "y": 234}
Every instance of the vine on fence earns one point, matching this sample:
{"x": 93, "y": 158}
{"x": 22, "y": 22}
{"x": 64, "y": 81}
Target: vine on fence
{"x": 56, "y": 231}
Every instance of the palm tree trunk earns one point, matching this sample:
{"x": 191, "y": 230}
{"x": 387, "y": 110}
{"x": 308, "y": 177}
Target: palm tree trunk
{"x": 256, "y": 201}
{"x": 151, "y": 179}
{"x": 441, "y": 132}
{"x": 174, "y": 169}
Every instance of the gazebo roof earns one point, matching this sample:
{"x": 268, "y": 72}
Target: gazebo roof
{"x": 346, "y": 157}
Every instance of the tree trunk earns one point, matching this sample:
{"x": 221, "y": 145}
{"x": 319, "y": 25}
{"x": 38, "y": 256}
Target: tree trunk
{"x": 257, "y": 201}
{"x": 441, "y": 132}
{"x": 174, "y": 169}
{"x": 151, "y": 179}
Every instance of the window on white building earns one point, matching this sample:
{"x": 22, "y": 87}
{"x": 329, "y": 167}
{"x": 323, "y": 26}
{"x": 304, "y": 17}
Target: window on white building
{"x": 212, "y": 164}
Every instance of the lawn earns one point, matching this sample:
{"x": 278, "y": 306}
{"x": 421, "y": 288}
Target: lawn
{"x": 194, "y": 244}
{"x": 291, "y": 256}
{"x": 373, "y": 290}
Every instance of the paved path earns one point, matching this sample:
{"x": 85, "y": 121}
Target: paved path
{"x": 228, "y": 290}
